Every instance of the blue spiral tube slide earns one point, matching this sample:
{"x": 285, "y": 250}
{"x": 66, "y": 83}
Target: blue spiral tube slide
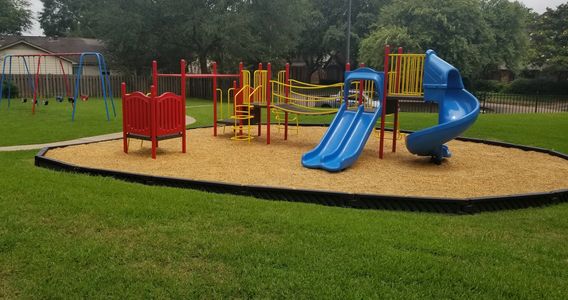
{"x": 458, "y": 109}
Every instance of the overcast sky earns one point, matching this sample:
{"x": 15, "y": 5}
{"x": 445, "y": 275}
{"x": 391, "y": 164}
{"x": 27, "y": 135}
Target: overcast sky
{"x": 537, "y": 5}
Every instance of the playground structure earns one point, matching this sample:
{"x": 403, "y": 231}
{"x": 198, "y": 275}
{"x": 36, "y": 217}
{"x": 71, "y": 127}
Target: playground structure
{"x": 365, "y": 99}
{"x": 51, "y": 65}
{"x": 152, "y": 117}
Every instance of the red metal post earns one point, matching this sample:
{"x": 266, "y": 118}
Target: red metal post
{"x": 287, "y": 95}
{"x": 183, "y": 67}
{"x": 153, "y": 122}
{"x": 268, "y": 92}
{"x": 259, "y": 97}
{"x": 37, "y": 84}
{"x": 214, "y": 70}
{"x": 396, "y": 104}
{"x": 361, "y": 86}
{"x": 384, "y": 101}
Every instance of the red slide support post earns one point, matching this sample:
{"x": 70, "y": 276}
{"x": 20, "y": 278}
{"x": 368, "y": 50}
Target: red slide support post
{"x": 268, "y": 92}
{"x": 214, "y": 69}
{"x": 384, "y": 101}
{"x": 286, "y": 94}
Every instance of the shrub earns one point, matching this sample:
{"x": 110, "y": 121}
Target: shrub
{"x": 537, "y": 86}
{"x": 492, "y": 86}
{"x": 14, "y": 92}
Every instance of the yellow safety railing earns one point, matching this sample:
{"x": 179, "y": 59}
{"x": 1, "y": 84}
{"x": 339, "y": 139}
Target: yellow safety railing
{"x": 220, "y": 92}
{"x": 246, "y": 82}
{"x": 242, "y": 113}
{"x": 406, "y": 73}
{"x": 260, "y": 81}
{"x": 303, "y": 92}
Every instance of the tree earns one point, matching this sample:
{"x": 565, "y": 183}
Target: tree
{"x": 15, "y": 16}
{"x": 476, "y": 36}
{"x": 372, "y": 47}
{"x": 223, "y": 30}
{"x": 325, "y": 31}
{"x": 455, "y": 29}
{"x": 70, "y": 17}
{"x": 508, "y": 22}
{"x": 549, "y": 38}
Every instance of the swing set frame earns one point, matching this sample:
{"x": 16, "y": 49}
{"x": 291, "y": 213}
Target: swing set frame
{"x": 34, "y": 84}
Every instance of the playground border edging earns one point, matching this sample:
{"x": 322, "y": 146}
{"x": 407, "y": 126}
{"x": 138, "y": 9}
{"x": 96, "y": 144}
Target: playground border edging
{"x": 340, "y": 199}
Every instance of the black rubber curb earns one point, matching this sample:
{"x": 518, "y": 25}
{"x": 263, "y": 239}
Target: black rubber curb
{"x": 362, "y": 201}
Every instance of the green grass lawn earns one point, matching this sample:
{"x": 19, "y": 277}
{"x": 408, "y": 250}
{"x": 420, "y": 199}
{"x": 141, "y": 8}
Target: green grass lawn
{"x": 74, "y": 236}
{"x": 67, "y": 235}
{"x": 542, "y": 130}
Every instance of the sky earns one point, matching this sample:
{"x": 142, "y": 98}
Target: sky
{"x": 537, "y": 5}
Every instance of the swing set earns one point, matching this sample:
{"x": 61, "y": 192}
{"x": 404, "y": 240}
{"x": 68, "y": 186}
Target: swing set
{"x": 52, "y": 65}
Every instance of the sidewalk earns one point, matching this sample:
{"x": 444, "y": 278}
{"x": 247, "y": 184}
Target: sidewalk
{"x": 98, "y": 138}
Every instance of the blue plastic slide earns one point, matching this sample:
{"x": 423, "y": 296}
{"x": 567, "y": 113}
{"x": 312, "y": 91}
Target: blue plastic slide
{"x": 458, "y": 109}
{"x": 348, "y": 133}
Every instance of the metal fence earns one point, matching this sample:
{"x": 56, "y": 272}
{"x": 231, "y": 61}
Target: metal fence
{"x": 492, "y": 103}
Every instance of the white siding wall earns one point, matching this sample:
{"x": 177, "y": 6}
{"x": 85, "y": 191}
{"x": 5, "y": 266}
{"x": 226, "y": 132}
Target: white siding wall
{"x": 48, "y": 65}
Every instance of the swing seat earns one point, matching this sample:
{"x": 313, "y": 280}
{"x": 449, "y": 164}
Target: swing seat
{"x": 59, "y": 98}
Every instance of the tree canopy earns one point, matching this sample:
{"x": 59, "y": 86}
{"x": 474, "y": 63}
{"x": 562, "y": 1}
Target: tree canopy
{"x": 477, "y": 36}
{"x": 549, "y": 39}
{"x": 72, "y": 17}
{"x": 15, "y": 16}
{"x": 473, "y": 35}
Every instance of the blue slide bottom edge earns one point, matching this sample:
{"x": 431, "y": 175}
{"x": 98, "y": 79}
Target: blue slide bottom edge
{"x": 344, "y": 140}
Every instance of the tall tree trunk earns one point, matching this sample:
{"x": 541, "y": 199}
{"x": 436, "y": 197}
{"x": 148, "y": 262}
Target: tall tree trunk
{"x": 203, "y": 62}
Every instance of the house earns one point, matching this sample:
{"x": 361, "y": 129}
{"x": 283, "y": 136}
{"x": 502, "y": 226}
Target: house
{"x": 56, "y": 65}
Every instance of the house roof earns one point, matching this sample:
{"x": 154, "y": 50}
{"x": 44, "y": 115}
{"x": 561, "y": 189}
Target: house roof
{"x": 55, "y": 45}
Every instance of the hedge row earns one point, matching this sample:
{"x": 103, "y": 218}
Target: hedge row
{"x": 524, "y": 86}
